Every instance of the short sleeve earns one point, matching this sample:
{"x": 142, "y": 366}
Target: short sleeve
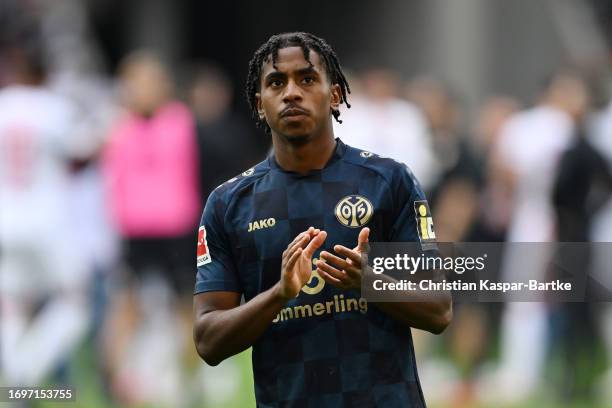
{"x": 413, "y": 221}
{"x": 216, "y": 267}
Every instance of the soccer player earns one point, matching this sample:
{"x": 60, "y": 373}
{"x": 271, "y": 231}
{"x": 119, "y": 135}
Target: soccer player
{"x": 288, "y": 235}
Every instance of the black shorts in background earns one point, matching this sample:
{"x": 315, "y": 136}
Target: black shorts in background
{"x": 173, "y": 258}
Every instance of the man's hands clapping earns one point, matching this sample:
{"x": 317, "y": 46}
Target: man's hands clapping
{"x": 296, "y": 266}
{"x": 344, "y": 273}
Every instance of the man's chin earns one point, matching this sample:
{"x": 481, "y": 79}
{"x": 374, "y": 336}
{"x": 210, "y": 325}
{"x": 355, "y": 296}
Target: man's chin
{"x": 297, "y": 138}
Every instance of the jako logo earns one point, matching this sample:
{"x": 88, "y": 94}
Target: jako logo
{"x": 265, "y": 223}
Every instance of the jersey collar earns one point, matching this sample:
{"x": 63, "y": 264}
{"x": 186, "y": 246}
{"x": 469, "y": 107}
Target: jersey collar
{"x": 338, "y": 153}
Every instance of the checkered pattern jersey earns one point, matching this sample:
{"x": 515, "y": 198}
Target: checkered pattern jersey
{"x": 327, "y": 348}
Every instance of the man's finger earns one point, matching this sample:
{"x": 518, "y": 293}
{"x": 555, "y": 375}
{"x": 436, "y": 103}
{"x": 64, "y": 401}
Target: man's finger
{"x": 313, "y": 231}
{"x": 328, "y": 278}
{"x": 299, "y": 236}
{"x": 310, "y": 232}
{"x": 293, "y": 259}
{"x": 363, "y": 240}
{"x": 352, "y": 254}
{"x": 298, "y": 244}
{"x": 330, "y": 270}
{"x": 315, "y": 243}
{"x": 336, "y": 261}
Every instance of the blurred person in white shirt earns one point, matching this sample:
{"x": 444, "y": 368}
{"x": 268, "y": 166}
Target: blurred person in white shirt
{"x": 43, "y": 279}
{"x": 529, "y": 150}
{"x": 380, "y": 121}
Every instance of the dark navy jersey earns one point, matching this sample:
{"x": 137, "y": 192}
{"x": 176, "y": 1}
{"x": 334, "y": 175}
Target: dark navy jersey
{"x": 327, "y": 347}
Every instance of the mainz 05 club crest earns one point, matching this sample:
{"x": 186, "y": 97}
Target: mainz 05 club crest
{"x": 354, "y": 211}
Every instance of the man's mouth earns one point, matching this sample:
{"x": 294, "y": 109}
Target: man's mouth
{"x": 288, "y": 112}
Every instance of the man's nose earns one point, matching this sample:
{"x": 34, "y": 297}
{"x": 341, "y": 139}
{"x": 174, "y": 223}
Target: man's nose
{"x": 292, "y": 92}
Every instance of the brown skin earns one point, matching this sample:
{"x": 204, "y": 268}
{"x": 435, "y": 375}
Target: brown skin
{"x": 145, "y": 83}
{"x": 18, "y": 68}
{"x": 296, "y": 100}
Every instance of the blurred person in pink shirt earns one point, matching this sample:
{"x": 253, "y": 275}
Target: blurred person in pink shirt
{"x": 151, "y": 160}
{"x": 150, "y": 166}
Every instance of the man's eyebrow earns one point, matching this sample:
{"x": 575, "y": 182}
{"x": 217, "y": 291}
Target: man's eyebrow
{"x": 275, "y": 74}
{"x": 307, "y": 70}
{"x": 301, "y": 71}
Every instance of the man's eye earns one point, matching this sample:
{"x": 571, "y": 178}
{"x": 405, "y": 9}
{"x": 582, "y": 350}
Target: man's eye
{"x": 275, "y": 83}
{"x": 308, "y": 80}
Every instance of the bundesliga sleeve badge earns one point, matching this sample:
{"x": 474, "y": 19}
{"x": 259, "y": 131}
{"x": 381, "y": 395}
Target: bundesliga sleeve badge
{"x": 202, "y": 252}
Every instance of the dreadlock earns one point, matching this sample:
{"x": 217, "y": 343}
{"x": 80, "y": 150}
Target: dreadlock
{"x": 306, "y": 42}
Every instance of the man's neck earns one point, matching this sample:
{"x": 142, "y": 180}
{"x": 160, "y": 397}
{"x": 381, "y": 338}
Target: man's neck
{"x": 304, "y": 157}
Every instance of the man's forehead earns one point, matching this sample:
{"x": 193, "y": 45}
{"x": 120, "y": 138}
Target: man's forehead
{"x": 292, "y": 58}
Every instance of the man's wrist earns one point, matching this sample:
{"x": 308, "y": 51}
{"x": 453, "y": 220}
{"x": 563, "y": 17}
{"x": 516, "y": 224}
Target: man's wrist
{"x": 277, "y": 294}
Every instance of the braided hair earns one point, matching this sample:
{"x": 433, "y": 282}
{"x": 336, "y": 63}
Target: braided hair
{"x": 306, "y": 42}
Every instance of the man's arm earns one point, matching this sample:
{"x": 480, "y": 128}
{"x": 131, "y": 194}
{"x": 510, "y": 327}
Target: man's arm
{"x": 223, "y": 327}
{"x": 432, "y": 312}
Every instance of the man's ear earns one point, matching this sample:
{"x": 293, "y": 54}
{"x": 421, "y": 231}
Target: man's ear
{"x": 336, "y": 97}
{"x": 260, "y": 110}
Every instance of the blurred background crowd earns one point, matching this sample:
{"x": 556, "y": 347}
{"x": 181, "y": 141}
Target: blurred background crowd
{"x": 118, "y": 118}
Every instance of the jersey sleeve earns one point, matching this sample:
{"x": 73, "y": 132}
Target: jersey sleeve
{"x": 413, "y": 221}
{"x": 216, "y": 267}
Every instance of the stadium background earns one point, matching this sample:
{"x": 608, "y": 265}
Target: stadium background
{"x": 466, "y": 66}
